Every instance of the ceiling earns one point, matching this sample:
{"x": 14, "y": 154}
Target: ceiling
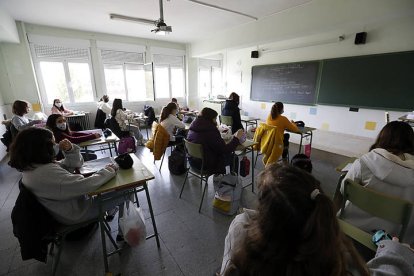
{"x": 190, "y": 21}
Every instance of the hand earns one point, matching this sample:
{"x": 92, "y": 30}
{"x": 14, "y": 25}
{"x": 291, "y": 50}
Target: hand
{"x": 395, "y": 239}
{"x": 239, "y": 134}
{"x": 112, "y": 167}
{"x": 97, "y": 135}
{"x": 65, "y": 145}
{"x": 5, "y": 122}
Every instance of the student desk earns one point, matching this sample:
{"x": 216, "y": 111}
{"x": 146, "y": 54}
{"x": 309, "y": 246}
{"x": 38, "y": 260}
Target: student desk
{"x": 405, "y": 119}
{"x": 79, "y": 118}
{"x": 143, "y": 120}
{"x": 249, "y": 121}
{"x": 130, "y": 182}
{"x": 304, "y": 132}
{"x": 110, "y": 141}
{"x": 243, "y": 149}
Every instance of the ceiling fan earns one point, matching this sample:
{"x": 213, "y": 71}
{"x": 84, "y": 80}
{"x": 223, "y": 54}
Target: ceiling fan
{"x": 160, "y": 27}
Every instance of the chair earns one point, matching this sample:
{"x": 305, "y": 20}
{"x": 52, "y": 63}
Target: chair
{"x": 100, "y": 119}
{"x": 196, "y": 151}
{"x": 380, "y": 205}
{"x": 115, "y": 128}
{"x": 226, "y": 120}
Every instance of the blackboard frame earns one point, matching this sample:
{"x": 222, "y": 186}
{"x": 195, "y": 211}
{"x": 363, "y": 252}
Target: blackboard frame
{"x": 318, "y": 63}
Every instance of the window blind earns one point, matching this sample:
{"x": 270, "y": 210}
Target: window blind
{"x": 60, "y": 52}
{"x": 111, "y": 56}
{"x": 165, "y": 60}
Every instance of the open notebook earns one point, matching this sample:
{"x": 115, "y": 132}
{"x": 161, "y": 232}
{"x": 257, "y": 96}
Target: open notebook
{"x": 93, "y": 166}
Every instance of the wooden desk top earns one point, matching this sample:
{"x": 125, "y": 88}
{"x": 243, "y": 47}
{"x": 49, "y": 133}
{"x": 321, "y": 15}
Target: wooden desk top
{"x": 343, "y": 165}
{"x": 249, "y": 119}
{"x": 247, "y": 144}
{"x": 81, "y": 114}
{"x": 136, "y": 176}
{"x": 405, "y": 119}
{"x": 303, "y": 130}
{"x": 100, "y": 141}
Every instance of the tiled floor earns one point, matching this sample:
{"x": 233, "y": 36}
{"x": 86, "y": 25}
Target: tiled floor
{"x": 191, "y": 243}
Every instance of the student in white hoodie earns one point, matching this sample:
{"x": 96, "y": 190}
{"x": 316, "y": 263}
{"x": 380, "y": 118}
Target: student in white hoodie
{"x": 170, "y": 121}
{"x": 61, "y": 192}
{"x": 104, "y": 106}
{"x": 387, "y": 168}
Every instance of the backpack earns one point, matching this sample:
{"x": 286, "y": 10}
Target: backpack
{"x": 177, "y": 162}
{"x": 127, "y": 145}
{"x": 150, "y": 113}
{"x": 228, "y": 189}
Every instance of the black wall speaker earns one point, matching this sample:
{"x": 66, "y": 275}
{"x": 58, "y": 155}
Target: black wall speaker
{"x": 360, "y": 38}
{"x": 255, "y": 54}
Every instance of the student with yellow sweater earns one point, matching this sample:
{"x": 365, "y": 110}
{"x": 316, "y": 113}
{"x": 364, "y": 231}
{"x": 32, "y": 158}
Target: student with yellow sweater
{"x": 282, "y": 123}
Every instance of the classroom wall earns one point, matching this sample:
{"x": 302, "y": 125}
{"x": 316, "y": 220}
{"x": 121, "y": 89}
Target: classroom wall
{"x": 17, "y": 69}
{"x": 315, "y": 38}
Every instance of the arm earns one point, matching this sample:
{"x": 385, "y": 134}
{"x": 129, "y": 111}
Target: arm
{"x": 237, "y": 119}
{"x": 354, "y": 174}
{"x": 73, "y": 158}
{"x": 76, "y": 137}
{"x": 106, "y": 108}
{"x": 177, "y": 122}
{"x": 218, "y": 145}
{"x": 124, "y": 115}
{"x": 19, "y": 124}
{"x": 56, "y": 111}
{"x": 289, "y": 125}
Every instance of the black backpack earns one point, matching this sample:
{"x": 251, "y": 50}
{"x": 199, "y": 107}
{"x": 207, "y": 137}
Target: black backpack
{"x": 177, "y": 162}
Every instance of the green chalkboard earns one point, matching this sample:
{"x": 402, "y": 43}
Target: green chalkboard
{"x": 383, "y": 81}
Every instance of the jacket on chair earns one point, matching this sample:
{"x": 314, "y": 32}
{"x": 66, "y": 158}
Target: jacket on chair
{"x": 269, "y": 143}
{"x": 159, "y": 140}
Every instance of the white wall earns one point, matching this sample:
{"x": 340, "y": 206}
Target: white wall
{"x": 8, "y": 30}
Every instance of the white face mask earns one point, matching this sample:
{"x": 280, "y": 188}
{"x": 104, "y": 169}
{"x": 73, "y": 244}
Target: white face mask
{"x": 58, "y": 104}
{"x": 61, "y": 126}
{"x": 56, "y": 149}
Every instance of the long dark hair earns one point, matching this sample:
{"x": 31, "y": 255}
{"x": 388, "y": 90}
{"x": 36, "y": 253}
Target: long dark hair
{"x": 234, "y": 97}
{"x": 293, "y": 233}
{"x": 61, "y": 108}
{"x": 19, "y": 107}
{"x": 277, "y": 109}
{"x": 208, "y": 114}
{"x": 51, "y": 124}
{"x": 31, "y": 146}
{"x": 396, "y": 137}
{"x": 117, "y": 104}
{"x": 167, "y": 110}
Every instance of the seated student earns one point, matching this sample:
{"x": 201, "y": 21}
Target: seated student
{"x": 60, "y": 191}
{"x": 58, "y": 125}
{"x": 104, "y": 106}
{"x": 295, "y": 232}
{"x": 123, "y": 118}
{"x": 217, "y": 153}
{"x": 302, "y": 161}
{"x": 170, "y": 121}
{"x": 58, "y": 108}
{"x": 282, "y": 123}
{"x": 231, "y": 108}
{"x": 19, "y": 120}
{"x": 387, "y": 168}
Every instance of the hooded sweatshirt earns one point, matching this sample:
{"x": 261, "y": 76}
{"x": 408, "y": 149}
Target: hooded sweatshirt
{"x": 387, "y": 173}
{"x": 231, "y": 108}
{"x": 205, "y": 132}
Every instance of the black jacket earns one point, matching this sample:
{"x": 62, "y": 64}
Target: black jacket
{"x": 231, "y": 108}
{"x": 32, "y": 224}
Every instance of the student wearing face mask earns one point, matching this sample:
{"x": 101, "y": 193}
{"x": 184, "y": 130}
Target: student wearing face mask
{"x": 60, "y": 128}
{"x": 58, "y": 108}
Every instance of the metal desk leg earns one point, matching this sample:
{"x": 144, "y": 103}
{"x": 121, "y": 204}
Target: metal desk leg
{"x": 152, "y": 214}
{"x": 101, "y": 225}
{"x": 253, "y": 165}
{"x": 116, "y": 150}
{"x": 300, "y": 145}
{"x": 311, "y": 136}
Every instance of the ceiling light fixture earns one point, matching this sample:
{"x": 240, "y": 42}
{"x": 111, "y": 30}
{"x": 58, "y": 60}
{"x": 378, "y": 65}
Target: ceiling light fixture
{"x": 160, "y": 27}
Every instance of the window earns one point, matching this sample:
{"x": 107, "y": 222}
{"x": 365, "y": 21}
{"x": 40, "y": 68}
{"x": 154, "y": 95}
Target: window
{"x": 209, "y": 78}
{"x": 125, "y": 76}
{"x": 169, "y": 76}
{"x": 64, "y": 73}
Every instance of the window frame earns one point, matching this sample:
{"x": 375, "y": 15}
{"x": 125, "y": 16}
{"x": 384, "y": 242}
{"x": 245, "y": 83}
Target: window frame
{"x": 210, "y": 71}
{"x": 169, "y": 66}
{"x": 64, "y": 61}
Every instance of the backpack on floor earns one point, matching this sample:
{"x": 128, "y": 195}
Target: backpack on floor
{"x": 228, "y": 189}
{"x": 127, "y": 145}
{"x": 177, "y": 161}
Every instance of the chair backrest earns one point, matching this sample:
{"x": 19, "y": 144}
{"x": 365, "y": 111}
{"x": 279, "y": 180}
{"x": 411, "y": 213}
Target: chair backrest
{"x": 380, "y": 205}
{"x": 194, "y": 150}
{"x": 116, "y": 129}
{"x": 100, "y": 119}
{"x": 13, "y": 131}
{"x": 227, "y": 120}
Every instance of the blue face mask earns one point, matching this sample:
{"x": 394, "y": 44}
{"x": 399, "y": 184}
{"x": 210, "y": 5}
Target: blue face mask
{"x": 56, "y": 149}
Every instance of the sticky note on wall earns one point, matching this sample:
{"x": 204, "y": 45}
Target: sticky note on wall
{"x": 325, "y": 126}
{"x": 293, "y": 115}
{"x": 263, "y": 106}
{"x": 313, "y": 111}
{"x": 370, "y": 125}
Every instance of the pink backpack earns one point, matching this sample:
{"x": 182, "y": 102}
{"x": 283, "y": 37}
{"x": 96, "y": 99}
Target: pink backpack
{"x": 126, "y": 145}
